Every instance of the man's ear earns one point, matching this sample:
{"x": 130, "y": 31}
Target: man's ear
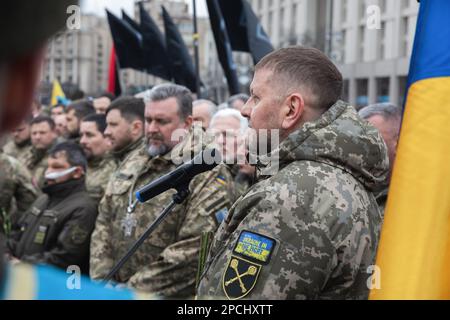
{"x": 294, "y": 108}
{"x": 188, "y": 122}
{"x": 137, "y": 128}
{"x": 21, "y": 77}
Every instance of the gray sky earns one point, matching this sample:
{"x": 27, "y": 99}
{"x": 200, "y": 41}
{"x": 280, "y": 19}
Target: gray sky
{"x": 115, "y": 6}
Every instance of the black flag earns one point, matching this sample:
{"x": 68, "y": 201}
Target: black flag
{"x": 155, "y": 55}
{"x": 244, "y": 29}
{"x": 127, "y": 42}
{"x": 223, "y": 45}
{"x": 182, "y": 67}
{"x": 130, "y": 21}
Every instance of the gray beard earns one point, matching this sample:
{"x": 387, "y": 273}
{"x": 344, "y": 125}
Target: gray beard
{"x": 154, "y": 151}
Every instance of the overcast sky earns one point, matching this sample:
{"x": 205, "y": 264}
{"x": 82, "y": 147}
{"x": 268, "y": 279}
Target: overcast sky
{"x": 115, "y": 6}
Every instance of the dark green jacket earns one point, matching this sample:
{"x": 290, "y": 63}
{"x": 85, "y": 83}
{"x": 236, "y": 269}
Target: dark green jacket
{"x": 56, "y": 229}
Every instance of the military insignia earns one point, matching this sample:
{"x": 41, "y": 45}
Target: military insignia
{"x": 221, "y": 180}
{"x": 39, "y": 237}
{"x": 79, "y": 235}
{"x": 255, "y": 247}
{"x": 251, "y": 253}
{"x": 239, "y": 278}
{"x": 128, "y": 224}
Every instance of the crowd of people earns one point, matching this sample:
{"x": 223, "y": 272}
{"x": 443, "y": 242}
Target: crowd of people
{"x": 309, "y": 230}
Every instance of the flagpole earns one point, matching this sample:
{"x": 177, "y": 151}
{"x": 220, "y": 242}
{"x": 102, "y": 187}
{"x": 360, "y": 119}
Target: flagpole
{"x": 195, "y": 37}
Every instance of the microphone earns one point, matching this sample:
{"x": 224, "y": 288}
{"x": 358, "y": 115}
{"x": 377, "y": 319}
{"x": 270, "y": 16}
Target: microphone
{"x": 181, "y": 176}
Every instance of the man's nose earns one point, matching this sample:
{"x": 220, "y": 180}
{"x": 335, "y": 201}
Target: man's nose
{"x": 246, "y": 110}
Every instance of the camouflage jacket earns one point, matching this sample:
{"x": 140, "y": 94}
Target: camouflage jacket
{"x": 36, "y": 162}
{"x": 311, "y": 230}
{"x": 20, "y": 153}
{"x": 97, "y": 176}
{"x": 167, "y": 261}
{"x": 17, "y": 186}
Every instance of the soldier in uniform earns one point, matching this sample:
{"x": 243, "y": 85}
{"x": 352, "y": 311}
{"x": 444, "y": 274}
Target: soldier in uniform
{"x": 17, "y": 186}
{"x": 96, "y": 148}
{"x": 36, "y": 22}
{"x": 76, "y": 111}
{"x": 57, "y": 228}
{"x": 309, "y": 228}
{"x": 387, "y": 118}
{"x": 43, "y": 137}
{"x": 166, "y": 262}
{"x": 20, "y": 144}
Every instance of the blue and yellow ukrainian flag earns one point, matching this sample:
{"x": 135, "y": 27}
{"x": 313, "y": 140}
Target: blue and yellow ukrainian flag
{"x": 414, "y": 253}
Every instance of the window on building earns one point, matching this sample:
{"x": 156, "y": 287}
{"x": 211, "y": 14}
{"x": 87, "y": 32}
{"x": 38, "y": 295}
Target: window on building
{"x": 383, "y": 90}
{"x": 294, "y": 18}
{"x": 281, "y": 26}
{"x": 383, "y": 6}
{"x": 344, "y": 12}
{"x": 402, "y": 82}
{"x": 382, "y": 41}
{"x": 362, "y": 93}
{"x": 362, "y": 42}
{"x": 345, "y": 91}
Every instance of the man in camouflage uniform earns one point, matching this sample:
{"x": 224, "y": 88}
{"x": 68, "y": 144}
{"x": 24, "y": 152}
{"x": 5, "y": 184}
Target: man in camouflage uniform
{"x": 16, "y": 186}
{"x": 20, "y": 144}
{"x": 166, "y": 262}
{"x": 96, "y": 148}
{"x": 43, "y": 137}
{"x": 310, "y": 229}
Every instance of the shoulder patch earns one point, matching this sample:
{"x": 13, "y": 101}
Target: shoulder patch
{"x": 255, "y": 246}
{"x": 239, "y": 277}
{"x": 221, "y": 180}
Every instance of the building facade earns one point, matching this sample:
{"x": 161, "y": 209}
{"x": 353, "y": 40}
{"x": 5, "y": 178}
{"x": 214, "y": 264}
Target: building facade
{"x": 372, "y": 43}
{"x": 80, "y": 57}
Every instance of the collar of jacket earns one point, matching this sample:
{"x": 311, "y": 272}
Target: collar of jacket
{"x": 24, "y": 144}
{"x": 122, "y": 154}
{"x": 64, "y": 189}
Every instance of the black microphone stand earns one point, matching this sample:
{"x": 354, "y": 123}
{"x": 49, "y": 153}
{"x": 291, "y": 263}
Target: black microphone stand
{"x": 177, "y": 198}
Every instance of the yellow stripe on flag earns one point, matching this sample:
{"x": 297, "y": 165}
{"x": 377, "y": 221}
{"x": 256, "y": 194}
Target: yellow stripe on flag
{"x": 414, "y": 252}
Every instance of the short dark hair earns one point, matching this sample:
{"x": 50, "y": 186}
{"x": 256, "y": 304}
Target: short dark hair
{"x": 169, "y": 90}
{"x": 130, "y": 108}
{"x": 82, "y": 108}
{"x": 99, "y": 119}
{"x": 74, "y": 153}
{"x": 108, "y": 95}
{"x": 306, "y": 68}
{"x": 40, "y": 119}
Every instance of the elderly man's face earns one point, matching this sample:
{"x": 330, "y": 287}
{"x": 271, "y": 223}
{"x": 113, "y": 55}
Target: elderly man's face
{"x": 226, "y": 131}
{"x": 390, "y": 134}
{"x": 161, "y": 120}
{"x": 201, "y": 113}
